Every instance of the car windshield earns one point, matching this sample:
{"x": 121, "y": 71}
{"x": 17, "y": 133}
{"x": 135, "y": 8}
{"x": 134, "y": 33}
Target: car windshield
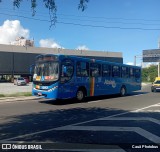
{"x": 49, "y": 70}
{"x": 157, "y": 82}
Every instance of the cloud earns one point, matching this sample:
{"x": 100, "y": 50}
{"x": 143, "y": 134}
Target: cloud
{"x": 49, "y": 43}
{"x": 146, "y": 65}
{"x": 82, "y": 47}
{"x": 130, "y": 63}
{"x": 10, "y": 30}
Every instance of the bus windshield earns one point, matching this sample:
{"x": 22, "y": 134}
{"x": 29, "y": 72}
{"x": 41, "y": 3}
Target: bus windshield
{"x": 48, "y": 70}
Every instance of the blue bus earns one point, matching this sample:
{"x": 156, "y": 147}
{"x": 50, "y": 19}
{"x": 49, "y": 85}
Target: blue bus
{"x": 62, "y": 77}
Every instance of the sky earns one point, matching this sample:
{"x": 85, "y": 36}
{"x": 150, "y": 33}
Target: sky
{"x": 127, "y": 26}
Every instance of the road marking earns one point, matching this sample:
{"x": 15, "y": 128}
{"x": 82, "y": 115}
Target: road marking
{"x": 138, "y": 130}
{"x": 158, "y": 111}
{"x": 157, "y": 104}
{"x": 52, "y": 129}
{"x": 133, "y": 118}
{"x": 136, "y": 95}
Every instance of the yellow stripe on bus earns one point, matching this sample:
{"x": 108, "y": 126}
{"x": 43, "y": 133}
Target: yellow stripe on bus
{"x": 92, "y": 83}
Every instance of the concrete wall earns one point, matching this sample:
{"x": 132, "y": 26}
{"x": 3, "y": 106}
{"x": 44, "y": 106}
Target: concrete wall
{"x": 16, "y": 60}
{"x": 6, "y": 62}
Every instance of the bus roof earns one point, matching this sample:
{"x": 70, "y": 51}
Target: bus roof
{"x": 61, "y": 56}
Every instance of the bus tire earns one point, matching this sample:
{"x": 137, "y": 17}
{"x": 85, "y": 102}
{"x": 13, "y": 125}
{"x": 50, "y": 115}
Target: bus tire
{"x": 123, "y": 91}
{"x": 80, "y": 95}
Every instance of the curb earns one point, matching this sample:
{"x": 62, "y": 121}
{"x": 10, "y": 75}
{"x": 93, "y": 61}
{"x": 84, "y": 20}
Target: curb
{"x": 144, "y": 84}
{"x": 21, "y": 98}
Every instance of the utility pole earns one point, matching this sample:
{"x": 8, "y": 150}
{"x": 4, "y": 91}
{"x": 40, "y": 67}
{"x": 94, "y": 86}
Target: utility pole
{"x": 158, "y": 61}
{"x": 135, "y": 60}
{"x": 158, "y": 69}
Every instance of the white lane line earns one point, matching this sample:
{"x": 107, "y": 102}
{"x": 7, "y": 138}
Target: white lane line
{"x": 137, "y": 95}
{"x": 138, "y": 130}
{"x": 133, "y": 118}
{"x": 157, "y": 111}
{"x": 154, "y": 105}
{"x": 52, "y": 129}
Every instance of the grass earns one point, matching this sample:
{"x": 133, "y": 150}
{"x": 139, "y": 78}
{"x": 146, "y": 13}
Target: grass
{"x": 2, "y": 95}
{"x": 26, "y": 94}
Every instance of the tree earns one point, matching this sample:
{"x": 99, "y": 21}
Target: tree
{"x": 149, "y": 74}
{"x": 51, "y": 6}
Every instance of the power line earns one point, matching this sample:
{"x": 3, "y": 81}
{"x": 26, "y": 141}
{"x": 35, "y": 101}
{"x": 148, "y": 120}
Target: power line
{"x": 113, "y": 27}
{"x": 109, "y": 22}
{"x": 94, "y": 17}
{"x": 86, "y": 25}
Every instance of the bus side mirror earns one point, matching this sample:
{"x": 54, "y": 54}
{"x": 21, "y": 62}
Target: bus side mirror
{"x": 31, "y": 69}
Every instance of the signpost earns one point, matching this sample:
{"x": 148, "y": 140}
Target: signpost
{"x": 152, "y": 56}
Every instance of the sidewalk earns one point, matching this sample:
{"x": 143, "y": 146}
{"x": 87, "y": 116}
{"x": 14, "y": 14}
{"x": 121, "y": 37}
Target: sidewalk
{"x": 144, "y": 83}
{"x": 21, "y": 98}
{"x": 10, "y": 88}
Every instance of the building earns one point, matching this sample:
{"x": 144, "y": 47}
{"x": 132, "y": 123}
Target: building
{"x": 21, "y": 41}
{"x": 16, "y": 60}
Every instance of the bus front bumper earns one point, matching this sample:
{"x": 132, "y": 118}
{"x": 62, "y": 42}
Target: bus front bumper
{"x": 50, "y": 94}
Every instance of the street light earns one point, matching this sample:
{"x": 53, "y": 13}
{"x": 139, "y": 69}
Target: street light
{"x": 135, "y": 57}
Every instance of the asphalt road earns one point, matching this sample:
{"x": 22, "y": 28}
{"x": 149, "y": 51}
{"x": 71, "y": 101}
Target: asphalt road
{"x": 109, "y": 123}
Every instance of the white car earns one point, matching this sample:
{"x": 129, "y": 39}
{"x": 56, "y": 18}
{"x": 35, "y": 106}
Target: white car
{"x": 19, "y": 81}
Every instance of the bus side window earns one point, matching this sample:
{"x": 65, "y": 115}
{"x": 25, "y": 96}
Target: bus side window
{"x": 95, "y": 70}
{"x": 67, "y": 70}
{"x": 82, "y": 69}
{"x": 106, "y": 70}
{"x": 137, "y": 73}
{"x": 116, "y": 71}
{"x": 131, "y": 73}
{"x": 124, "y": 72}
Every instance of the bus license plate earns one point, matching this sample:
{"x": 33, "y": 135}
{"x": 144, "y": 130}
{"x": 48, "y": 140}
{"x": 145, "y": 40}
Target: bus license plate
{"x": 39, "y": 93}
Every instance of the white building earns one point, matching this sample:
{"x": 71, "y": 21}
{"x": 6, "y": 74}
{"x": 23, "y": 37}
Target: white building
{"x": 21, "y": 41}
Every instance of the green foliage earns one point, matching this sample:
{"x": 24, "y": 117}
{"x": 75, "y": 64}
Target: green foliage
{"x": 149, "y": 73}
{"x": 2, "y": 95}
{"x": 82, "y": 5}
{"x": 16, "y": 3}
{"x": 18, "y": 94}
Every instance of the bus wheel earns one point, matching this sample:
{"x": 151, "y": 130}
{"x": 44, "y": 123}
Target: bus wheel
{"x": 123, "y": 91}
{"x": 80, "y": 95}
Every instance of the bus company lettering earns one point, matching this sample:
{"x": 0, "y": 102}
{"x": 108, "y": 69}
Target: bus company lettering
{"x": 110, "y": 82}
